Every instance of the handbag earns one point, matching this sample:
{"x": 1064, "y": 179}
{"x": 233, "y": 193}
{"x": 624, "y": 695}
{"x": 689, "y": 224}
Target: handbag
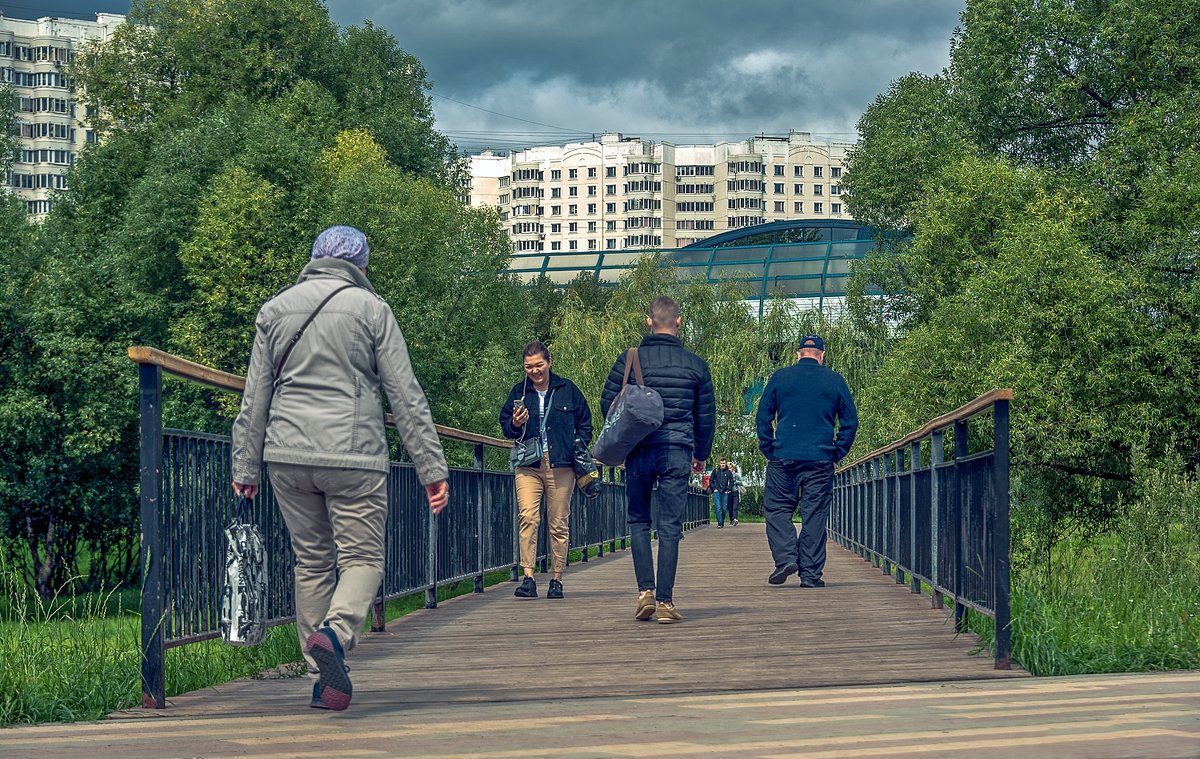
{"x": 635, "y": 413}
{"x": 529, "y": 452}
{"x": 244, "y": 595}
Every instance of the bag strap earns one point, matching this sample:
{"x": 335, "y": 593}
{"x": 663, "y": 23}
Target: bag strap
{"x": 631, "y": 361}
{"x": 241, "y": 512}
{"x": 296, "y": 337}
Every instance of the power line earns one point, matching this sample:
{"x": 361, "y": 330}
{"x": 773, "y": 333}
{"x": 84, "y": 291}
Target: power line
{"x": 503, "y": 115}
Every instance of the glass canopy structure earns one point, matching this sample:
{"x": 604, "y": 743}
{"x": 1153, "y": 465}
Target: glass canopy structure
{"x": 806, "y": 259}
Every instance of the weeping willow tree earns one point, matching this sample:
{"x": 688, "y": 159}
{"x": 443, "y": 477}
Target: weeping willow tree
{"x": 742, "y": 350}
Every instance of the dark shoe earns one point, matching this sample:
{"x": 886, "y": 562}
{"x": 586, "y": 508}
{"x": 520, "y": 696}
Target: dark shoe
{"x": 527, "y": 588}
{"x": 811, "y": 583}
{"x": 734, "y": 523}
{"x": 555, "y": 589}
{"x": 317, "y": 703}
{"x": 645, "y": 605}
{"x": 334, "y": 688}
{"x": 780, "y": 575}
{"x": 719, "y": 525}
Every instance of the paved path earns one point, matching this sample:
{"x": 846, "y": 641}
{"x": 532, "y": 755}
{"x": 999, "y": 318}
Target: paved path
{"x": 859, "y": 668}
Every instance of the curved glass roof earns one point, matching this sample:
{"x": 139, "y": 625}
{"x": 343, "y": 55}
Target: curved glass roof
{"x": 801, "y": 259}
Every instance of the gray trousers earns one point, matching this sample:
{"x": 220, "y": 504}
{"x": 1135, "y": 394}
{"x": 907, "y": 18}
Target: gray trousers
{"x": 809, "y": 485}
{"x": 336, "y": 519}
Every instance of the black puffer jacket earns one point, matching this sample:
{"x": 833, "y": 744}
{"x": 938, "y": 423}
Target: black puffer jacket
{"x": 569, "y": 417}
{"x": 683, "y": 380}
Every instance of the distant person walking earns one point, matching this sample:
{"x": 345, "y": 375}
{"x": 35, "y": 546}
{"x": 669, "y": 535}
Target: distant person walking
{"x": 553, "y": 409}
{"x": 797, "y": 416}
{"x": 323, "y": 349}
{"x": 667, "y": 457}
{"x": 721, "y": 483}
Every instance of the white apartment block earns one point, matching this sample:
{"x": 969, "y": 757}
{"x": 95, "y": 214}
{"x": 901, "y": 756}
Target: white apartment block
{"x": 622, "y": 193}
{"x": 49, "y": 125}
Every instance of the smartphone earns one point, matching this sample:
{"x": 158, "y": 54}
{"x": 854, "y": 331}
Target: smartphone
{"x": 519, "y": 403}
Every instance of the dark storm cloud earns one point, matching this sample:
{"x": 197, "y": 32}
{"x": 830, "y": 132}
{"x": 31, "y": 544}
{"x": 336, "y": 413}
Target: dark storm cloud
{"x": 681, "y": 70}
{"x": 666, "y": 68}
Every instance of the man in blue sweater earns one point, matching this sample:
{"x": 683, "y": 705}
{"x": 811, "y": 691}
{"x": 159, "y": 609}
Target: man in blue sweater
{"x": 799, "y": 410}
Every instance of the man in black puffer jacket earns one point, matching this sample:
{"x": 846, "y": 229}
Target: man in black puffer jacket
{"x": 667, "y": 456}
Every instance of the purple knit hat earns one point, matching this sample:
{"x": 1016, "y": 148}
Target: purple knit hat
{"x": 346, "y": 243}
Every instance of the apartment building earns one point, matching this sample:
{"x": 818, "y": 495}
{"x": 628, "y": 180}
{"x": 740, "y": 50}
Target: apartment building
{"x": 626, "y": 193}
{"x": 48, "y": 124}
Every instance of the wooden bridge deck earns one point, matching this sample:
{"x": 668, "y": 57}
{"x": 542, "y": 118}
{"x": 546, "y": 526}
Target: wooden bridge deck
{"x": 859, "y": 668}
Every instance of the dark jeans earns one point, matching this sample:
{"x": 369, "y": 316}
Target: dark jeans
{"x": 671, "y": 468}
{"x": 813, "y": 482}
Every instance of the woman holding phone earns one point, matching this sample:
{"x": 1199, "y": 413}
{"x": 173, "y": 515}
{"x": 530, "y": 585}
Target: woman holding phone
{"x": 551, "y": 409}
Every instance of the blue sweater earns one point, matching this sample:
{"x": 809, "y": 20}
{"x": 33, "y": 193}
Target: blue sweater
{"x": 798, "y": 410}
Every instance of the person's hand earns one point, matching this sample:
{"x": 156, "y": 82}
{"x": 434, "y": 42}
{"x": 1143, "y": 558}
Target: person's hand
{"x": 438, "y": 495}
{"x": 698, "y": 466}
{"x": 520, "y": 416}
{"x": 244, "y": 490}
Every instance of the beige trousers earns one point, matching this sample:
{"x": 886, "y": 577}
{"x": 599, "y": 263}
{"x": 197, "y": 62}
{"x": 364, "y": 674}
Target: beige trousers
{"x": 336, "y": 519}
{"x": 557, "y": 483}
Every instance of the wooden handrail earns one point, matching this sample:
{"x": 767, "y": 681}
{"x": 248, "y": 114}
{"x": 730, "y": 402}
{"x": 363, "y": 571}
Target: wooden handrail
{"x": 966, "y": 411}
{"x": 206, "y": 375}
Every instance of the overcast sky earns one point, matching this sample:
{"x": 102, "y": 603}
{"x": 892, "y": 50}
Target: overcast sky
{"x": 514, "y": 73}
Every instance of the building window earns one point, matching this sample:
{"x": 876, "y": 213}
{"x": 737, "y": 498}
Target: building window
{"x": 504, "y": 199}
{"x": 592, "y": 208}
{"x": 695, "y": 171}
{"x": 779, "y": 206}
{"x": 818, "y": 172}
{"x": 835, "y": 208}
{"x": 818, "y": 208}
{"x": 556, "y": 245}
{"x": 835, "y": 189}
{"x": 779, "y": 188}
{"x": 572, "y": 173}
{"x": 694, "y": 189}
{"x": 556, "y": 210}
{"x": 591, "y": 227}
{"x": 591, "y": 172}
{"x": 610, "y": 244}
{"x": 610, "y": 208}
{"x": 591, "y": 191}
{"x": 835, "y": 172}
{"x": 573, "y": 227}
{"x": 797, "y": 189}
{"x": 798, "y": 207}
{"x": 778, "y": 169}
{"x": 610, "y": 171}
{"x": 798, "y": 171}
{"x": 556, "y": 192}
{"x": 610, "y": 189}
{"x": 610, "y": 226}
{"x": 817, "y": 190}
{"x": 593, "y": 245}
{"x": 572, "y": 210}
{"x": 572, "y": 245}
{"x": 573, "y": 192}
{"x": 556, "y": 229}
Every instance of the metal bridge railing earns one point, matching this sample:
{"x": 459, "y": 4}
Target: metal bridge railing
{"x": 911, "y": 510}
{"x": 186, "y": 502}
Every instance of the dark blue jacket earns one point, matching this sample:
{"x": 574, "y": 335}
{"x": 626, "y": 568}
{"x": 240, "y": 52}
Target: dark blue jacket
{"x": 683, "y": 380}
{"x": 803, "y": 401}
{"x": 569, "y": 417}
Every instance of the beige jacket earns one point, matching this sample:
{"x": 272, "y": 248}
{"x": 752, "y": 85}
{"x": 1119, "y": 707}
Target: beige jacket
{"x": 326, "y": 409}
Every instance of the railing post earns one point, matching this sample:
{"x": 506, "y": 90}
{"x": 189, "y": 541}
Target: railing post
{"x": 897, "y": 564}
{"x": 1000, "y": 533}
{"x": 885, "y": 505}
{"x": 479, "y": 506}
{"x": 914, "y": 462}
{"x": 154, "y": 694}
{"x": 431, "y": 601}
{"x": 961, "y": 449}
{"x": 937, "y": 454}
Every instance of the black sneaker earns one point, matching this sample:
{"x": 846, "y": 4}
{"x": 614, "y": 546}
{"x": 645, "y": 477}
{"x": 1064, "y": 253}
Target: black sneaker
{"x": 527, "y": 588}
{"x": 780, "y": 575}
{"x": 555, "y": 589}
{"x": 818, "y": 583}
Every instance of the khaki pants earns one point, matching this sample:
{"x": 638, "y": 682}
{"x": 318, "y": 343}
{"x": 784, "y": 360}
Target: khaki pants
{"x": 558, "y": 484}
{"x": 336, "y": 519}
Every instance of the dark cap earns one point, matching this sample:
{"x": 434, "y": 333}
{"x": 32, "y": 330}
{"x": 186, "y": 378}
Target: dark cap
{"x": 812, "y": 341}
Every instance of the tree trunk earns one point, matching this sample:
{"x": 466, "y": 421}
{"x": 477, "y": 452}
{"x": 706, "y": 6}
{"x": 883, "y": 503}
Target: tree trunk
{"x": 43, "y": 561}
